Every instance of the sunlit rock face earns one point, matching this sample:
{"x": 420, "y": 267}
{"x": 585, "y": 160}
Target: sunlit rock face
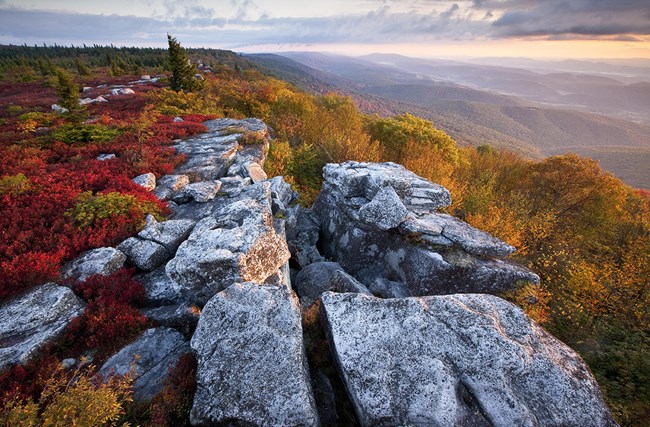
{"x": 381, "y": 220}
{"x": 456, "y": 360}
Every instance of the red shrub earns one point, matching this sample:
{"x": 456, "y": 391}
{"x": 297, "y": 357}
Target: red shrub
{"x": 109, "y": 320}
{"x": 171, "y": 408}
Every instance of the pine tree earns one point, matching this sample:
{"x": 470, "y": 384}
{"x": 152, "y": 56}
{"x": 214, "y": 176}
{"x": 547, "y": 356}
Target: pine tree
{"x": 182, "y": 71}
{"x": 67, "y": 90}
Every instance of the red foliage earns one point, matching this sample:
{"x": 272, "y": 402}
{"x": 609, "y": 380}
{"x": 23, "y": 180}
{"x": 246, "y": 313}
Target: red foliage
{"x": 27, "y": 381}
{"x": 198, "y": 118}
{"x": 109, "y": 319}
{"x": 37, "y": 236}
{"x": 171, "y": 407}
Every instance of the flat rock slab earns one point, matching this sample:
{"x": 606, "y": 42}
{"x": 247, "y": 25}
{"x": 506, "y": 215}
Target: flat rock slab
{"x": 149, "y": 359}
{"x": 33, "y": 319}
{"x": 358, "y": 179}
{"x": 251, "y": 363}
{"x": 104, "y": 261}
{"x": 456, "y": 360}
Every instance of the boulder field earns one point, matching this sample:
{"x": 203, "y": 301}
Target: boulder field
{"x": 405, "y": 296}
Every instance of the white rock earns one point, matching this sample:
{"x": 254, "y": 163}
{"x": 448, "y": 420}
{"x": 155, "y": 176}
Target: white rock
{"x": 251, "y": 363}
{"x": 104, "y": 261}
{"x": 456, "y": 360}
{"x": 146, "y": 180}
{"x": 31, "y": 320}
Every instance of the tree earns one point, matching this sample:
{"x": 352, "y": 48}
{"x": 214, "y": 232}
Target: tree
{"x": 182, "y": 70}
{"x": 67, "y": 90}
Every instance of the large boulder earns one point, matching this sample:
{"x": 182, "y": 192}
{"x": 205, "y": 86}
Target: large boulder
{"x": 104, "y": 261}
{"x": 456, "y": 360}
{"x": 320, "y": 277}
{"x": 31, "y": 320}
{"x": 169, "y": 234}
{"x": 237, "y": 243}
{"x": 379, "y": 220}
{"x": 148, "y": 359}
{"x": 251, "y": 363}
{"x": 147, "y": 255}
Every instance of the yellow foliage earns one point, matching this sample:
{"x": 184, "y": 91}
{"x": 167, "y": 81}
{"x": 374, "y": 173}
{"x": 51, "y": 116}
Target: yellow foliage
{"x": 72, "y": 400}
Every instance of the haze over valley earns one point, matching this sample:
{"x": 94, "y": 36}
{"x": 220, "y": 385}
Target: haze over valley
{"x": 535, "y": 113}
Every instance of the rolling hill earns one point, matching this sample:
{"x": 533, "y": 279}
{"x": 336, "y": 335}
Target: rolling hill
{"x": 472, "y": 116}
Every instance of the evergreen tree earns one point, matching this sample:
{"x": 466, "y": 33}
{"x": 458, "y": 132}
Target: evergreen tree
{"x": 82, "y": 69}
{"x": 67, "y": 90}
{"x": 182, "y": 70}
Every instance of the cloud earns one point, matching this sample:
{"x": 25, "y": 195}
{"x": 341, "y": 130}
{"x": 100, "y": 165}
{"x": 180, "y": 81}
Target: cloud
{"x": 385, "y": 21}
{"x": 378, "y": 26}
{"x": 582, "y": 18}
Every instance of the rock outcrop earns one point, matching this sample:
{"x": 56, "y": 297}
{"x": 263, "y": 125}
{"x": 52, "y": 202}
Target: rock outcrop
{"x": 456, "y": 360}
{"x": 102, "y": 261}
{"x": 251, "y": 363}
{"x": 381, "y": 221}
{"x": 148, "y": 360}
{"x": 237, "y": 243}
{"x": 33, "y": 319}
{"x": 219, "y": 271}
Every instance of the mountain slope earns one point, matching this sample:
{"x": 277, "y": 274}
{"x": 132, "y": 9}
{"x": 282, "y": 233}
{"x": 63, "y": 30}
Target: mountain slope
{"x": 471, "y": 116}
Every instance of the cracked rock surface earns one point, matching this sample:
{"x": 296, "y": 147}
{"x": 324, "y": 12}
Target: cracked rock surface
{"x": 251, "y": 363}
{"x": 456, "y": 360}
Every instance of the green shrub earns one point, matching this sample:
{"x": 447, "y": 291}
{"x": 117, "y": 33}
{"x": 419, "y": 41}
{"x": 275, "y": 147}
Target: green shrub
{"x": 14, "y": 185}
{"x": 77, "y": 133}
{"x": 91, "y": 208}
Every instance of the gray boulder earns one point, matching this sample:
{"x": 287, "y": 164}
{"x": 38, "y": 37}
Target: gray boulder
{"x": 144, "y": 254}
{"x": 159, "y": 288}
{"x": 104, "y": 261}
{"x": 251, "y": 363}
{"x": 170, "y": 233}
{"x": 104, "y": 157}
{"x": 385, "y": 210}
{"x": 382, "y": 218}
{"x": 146, "y": 180}
{"x": 201, "y": 191}
{"x": 33, "y": 319}
{"x": 149, "y": 359}
{"x": 169, "y": 186}
{"x": 320, "y": 277}
{"x": 237, "y": 243}
{"x": 456, "y": 360}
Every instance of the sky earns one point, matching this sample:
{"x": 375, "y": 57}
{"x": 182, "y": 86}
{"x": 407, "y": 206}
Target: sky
{"x": 425, "y": 28}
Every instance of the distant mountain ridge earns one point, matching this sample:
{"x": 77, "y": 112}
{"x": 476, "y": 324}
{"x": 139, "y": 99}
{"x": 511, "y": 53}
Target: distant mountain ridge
{"x": 472, "y": 116}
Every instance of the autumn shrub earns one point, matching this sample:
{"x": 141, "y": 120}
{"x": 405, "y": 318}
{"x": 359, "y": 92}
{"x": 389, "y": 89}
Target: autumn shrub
{"x": 251, "y": 138}
{"x": 14, "y": 185}
{"x": 71, "y": 399}
{"x": 81, "y": 133}
{"x": 109, "y": 319}
{"x": 171, "y": 407}
{"x": 89, "y": 208}
{"x": 28, "y": 122}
